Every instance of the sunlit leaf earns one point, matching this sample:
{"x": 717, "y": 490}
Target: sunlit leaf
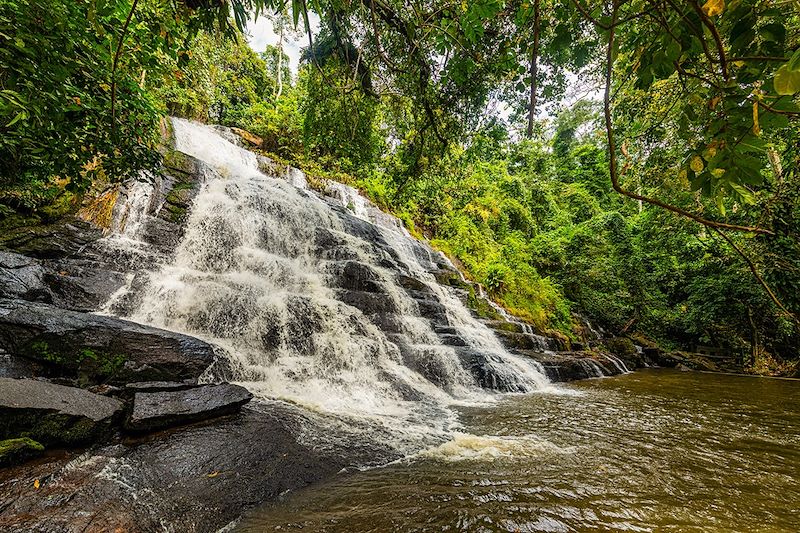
{"x": 696, "y": 164}
{"x": 787, "y": 82}
{"x": 712, "y": 8}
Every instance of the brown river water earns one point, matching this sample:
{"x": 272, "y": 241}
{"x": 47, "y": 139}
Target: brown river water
{"x": 655, "y": 450}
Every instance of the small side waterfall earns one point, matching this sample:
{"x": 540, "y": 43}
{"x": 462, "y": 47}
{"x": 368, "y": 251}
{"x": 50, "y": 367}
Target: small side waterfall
{"x": 321, "y": 300}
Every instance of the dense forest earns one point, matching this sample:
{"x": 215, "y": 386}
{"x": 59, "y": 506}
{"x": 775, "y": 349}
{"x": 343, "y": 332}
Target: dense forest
{"x": 661, "y": 199}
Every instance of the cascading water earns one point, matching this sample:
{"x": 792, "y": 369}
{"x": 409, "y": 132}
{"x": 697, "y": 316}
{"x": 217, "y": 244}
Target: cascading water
{"x": 325, "y": 302}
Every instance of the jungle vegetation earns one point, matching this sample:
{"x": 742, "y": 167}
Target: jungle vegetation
{"x": 633, "y": 161}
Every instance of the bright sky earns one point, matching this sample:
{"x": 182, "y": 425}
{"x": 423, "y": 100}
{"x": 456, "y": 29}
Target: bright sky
{"x": 261, "y": 33}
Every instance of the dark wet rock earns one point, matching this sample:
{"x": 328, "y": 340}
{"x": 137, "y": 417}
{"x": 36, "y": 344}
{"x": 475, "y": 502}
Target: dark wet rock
{"x": 651, "y": 356}
{"x": 15, "y": 451}
{"x": 433, "y": 310}
{"x": 571, "y": 366}
{"x": 389, "y": 322}
{"x": 13, "y": 366}
{"x": 162, "y": 234}
{"x": 452, "y": 340}
{"x": 480, "y": 365}
{"x": 624, "y": 348}
{"x": 72, "y": 284}
{"x": 157, "y": 410}
{"x": 427, "y": 361}
{"x": 523, "y": 341}
{"x": 354, "y": 276}
{"x": 195, "y": 478}
{"x": 367, "y": 302}
{"x": 339, "y": 253}
{"x": 99, "y": 348}
{"x": 81, "y": 287}
{"x": 54, "y": 414}
{"x": 21, "y": 277}
{"x": 407, "y": 282}
{"x": 446, "y": 330}
{"x": 51, "y": 241}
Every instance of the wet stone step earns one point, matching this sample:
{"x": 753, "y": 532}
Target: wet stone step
{"x": 433, "y": 311}
{"x": 158, "y": 410}
{"x": 409, "y": 283}
{"x": 353, "y": 275}
{"x": 453, "y": 340}
{"x": 54, "y": 414}
{"x": 367, "y": 302}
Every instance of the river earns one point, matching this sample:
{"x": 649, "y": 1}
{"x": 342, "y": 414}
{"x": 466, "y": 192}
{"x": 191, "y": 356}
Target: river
{"x": 655, "y": 450}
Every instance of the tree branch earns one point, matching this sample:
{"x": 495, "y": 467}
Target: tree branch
{"x": 612, "y": 150}
{"x": 115, "y": 63}
{"x": 758, "y": 277}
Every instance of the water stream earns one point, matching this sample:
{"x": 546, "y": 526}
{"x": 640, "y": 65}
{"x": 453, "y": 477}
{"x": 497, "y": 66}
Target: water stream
{"x": 655, "y": 450}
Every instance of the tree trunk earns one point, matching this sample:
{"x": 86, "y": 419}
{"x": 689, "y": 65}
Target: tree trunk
{"x": 534, "y": 69}
{"x": 280, "y": 63}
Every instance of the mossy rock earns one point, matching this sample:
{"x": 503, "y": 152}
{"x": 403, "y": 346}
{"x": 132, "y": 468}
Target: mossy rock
{"x": 89, "y": 365}
{"x": 621, "y": 347}
{"x": 181, "y": 165}
{"x": 480, "y": 306}
{"x": 64, "y": 204}
{"x": 54, "y": 428}
{"x": 15, "y": 451}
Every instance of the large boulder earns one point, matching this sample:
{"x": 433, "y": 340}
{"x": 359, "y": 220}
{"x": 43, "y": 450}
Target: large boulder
{"x": 51, "y": 241}
{"x": 71, "y": 284}
{"x": 157, "y": 410}
{"x": 96, "y": 348}
{"x": 54, "y": 414}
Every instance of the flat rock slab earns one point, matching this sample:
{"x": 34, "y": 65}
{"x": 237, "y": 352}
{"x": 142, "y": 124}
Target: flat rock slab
{"x": 157, "y": 410}
{"x": 160, "y": 386}
{"x": 99, "y": 349}
{"x": 53, "y": 414}
{"x": 196, "y": 478}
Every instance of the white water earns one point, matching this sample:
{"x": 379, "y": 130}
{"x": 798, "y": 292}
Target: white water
{"x": 256, "y": 275}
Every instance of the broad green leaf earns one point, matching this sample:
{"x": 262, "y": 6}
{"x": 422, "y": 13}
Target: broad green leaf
{"x": 787, "y": 82}
{"x": 794, "y": 62}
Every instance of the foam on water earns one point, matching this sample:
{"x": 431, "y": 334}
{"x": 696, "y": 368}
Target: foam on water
{"x": 483, "y": 448}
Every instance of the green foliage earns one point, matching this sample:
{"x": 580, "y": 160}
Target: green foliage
{"x": 55, "y": 98}
{"x": 339, "y": 119}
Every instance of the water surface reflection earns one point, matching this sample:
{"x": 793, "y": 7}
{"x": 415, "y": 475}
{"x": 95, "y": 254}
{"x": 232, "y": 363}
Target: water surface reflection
{"x": 649, "y": 451}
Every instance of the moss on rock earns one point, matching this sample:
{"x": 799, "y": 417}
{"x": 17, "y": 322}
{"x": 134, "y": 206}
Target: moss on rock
{"x": 90, "y": 364}
{"x": 15, "y": 451}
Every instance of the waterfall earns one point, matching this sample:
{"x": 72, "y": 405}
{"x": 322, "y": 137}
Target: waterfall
{"x": 321, "y": 300}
